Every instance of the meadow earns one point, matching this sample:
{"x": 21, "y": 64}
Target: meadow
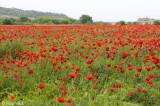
{"x": 80, "y": 65}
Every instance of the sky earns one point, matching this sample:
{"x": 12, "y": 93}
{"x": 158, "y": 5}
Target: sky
{"x": 100, "y": 10}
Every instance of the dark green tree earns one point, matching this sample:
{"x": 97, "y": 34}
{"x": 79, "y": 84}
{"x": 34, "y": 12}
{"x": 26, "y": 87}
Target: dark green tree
{"x": 8, "y": 21}
{"x": 86, "y": 19}
{"x": 121, "y": 23}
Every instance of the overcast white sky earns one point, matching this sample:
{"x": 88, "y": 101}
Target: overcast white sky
{"x": 104, "y": 10}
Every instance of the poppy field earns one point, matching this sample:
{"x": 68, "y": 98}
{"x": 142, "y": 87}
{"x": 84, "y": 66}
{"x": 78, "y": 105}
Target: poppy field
{"x": 80, "y": 65}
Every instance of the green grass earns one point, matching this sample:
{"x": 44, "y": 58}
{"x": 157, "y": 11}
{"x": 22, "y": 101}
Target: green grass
{"x": 79, "y": 90}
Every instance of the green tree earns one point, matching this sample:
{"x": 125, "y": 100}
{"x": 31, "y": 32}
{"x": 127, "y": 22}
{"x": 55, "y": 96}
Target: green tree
{"x": 156, "y": 22}
{"x": 56, "y": 21}
{"x": 86, "y": 19}
{"x": 24, "y": 19}
{"x": 121, "y": 23}
{"x": 8, "y": 21}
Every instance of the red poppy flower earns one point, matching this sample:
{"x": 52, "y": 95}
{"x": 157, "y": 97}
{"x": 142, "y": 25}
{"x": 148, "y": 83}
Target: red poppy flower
{"x": 16, "y": 77}
{"x": 125, "y": 55}
{"x": 61, "y": 100}
{"x": 112, "y": 89}
{"x": 30, "y": 72}
{"x": 89, "y": 61}
{"x": 6, "y": 76}
{"x": 12, "y": 97}
{"x": 131, "y": 93}
{"x": 41, "y": 86}
{"x": 89, "y": 77}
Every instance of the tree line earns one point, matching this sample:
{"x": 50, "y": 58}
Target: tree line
{"x": 84, "y": 19}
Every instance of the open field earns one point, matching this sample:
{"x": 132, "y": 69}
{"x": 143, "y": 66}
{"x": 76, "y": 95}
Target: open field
{"x": 82, "y": 65}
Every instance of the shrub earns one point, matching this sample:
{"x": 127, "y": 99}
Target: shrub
{"x": 8, "y": 21}
{"x": 135, "y": 23}
{"x": 24, "y": 19}
{"x": 156, "y": 22}
{"x": 121, "y": 23}
{"x": 44, "y": 20}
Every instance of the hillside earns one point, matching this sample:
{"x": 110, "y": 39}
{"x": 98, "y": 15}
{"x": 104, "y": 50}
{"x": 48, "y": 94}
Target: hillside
{"x": 14, "y": 12}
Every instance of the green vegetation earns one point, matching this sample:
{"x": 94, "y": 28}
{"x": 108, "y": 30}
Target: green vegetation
{"x": 8, "y": 21}
{"x": 11, "y": 48}
{"x": 24, "y": 19}
{"x": 156, "y": 22}
{"x": 86, "y": 19}
{"x": 121, "y": 23}
{"x": 37, "y": 21}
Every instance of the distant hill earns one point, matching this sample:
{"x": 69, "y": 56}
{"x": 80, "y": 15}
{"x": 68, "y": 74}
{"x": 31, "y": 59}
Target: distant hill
{"x": 14, "y": 12}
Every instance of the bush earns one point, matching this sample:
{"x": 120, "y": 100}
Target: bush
{"x": 65, "y": 21}
{"x": 39, "y": 20}
{"x": 135, "y": 23}
{"x": 56, "y": 21}
{"x": 8, "y": 21}
{"x": 0, "y": 21}
{"x": 121, "y": 23}
{"x": 24, "y": 19}
{"x": 85, "y": 19}
{"x": 101, "y": 23}
{"x": 129, "y": 23}
{"x": 44, "y": 20}
{"x": 73, "y": 21}
{"x": 156, "y": 22}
